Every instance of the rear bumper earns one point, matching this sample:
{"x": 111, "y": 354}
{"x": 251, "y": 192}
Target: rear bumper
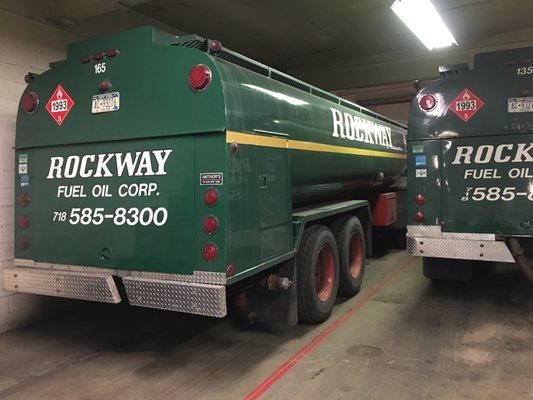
{"x": 202, "y": 293}
{"x": 430, "y": 241}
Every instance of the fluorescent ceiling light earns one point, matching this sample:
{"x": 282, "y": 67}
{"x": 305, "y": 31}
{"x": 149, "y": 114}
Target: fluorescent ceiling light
{"x": 423, "y": 19}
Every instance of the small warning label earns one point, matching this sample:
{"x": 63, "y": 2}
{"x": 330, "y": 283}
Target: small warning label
{"x": 466, "y": 105}
{"x": 211, "y": 178}
{"x": 59, "y": 105}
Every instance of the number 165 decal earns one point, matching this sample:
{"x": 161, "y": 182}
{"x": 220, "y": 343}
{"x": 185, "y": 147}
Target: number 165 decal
{"x": 99, "y": 68}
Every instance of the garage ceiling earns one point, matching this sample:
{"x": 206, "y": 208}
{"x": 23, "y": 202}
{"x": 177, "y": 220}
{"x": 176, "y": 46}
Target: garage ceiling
{"x": 338, "y": 45}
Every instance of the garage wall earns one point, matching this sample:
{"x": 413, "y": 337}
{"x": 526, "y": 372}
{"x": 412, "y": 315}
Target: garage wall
{"x": 26, "y": 45}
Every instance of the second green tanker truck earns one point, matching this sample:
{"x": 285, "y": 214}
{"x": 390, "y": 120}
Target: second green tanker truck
{"x": 171, "y": 172}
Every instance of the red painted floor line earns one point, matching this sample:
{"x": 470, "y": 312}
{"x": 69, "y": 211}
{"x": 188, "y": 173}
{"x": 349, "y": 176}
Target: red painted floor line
{"x": 267, "y": 383}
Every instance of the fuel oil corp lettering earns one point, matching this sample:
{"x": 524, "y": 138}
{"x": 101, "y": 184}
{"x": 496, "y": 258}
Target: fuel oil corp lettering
{"x": 107, "y": 165}
{"x": 503, "y": 153}
{"x": 353, "y": 127}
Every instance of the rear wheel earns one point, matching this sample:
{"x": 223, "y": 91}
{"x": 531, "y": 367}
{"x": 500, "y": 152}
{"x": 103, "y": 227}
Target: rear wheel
{"x": 318, "y": 274}
{"x": 350, "y": 239}
{"x": 445, "y": 269}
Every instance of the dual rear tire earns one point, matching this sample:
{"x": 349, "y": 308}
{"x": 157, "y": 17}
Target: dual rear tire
{"x": 329, "y": 263}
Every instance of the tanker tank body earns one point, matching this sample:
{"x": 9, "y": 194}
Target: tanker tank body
{"x": 216, "y": 178}
{"x": 335, "y": 151}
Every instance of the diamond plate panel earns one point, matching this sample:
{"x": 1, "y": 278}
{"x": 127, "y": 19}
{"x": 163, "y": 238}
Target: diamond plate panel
{"x": 424, "y": 230}
{"x": 72, "y": 285}
{"x": 212, "y": 278}
{"x": 208, "y": 277}
{"x": 460, "y": 249}
{"x": 186, "y": 297}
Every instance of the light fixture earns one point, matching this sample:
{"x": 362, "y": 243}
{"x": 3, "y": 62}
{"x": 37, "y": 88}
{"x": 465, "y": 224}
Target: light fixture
{"x": 423, "y": 19}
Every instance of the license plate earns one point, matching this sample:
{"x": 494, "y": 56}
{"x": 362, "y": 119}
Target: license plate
{"x": 106, "y": 102}
{"x": 520, "y": 105}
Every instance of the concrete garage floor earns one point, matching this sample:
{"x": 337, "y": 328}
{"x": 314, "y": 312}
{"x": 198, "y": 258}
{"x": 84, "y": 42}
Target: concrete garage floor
{"x": 401, "y": 338}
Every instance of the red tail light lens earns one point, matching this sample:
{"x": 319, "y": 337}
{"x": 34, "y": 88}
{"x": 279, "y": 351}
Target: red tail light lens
{"x": 85, "y": 59}
{"x": 98, "y": 56}
{"x": 24, "y": 221}
{"x": 419, "y": 199}
{"x": 24, "y": 243}
{"x": 214, "y": 45}
{"x": 230, "y": 270}
{"x": 210, "y": 225}
{"x": 30, "y": 102}
{"x": 427, "y": 102}
{"x": 24, "y": 199}
{"x": 210, "y": 252}
{"x": 210, "y": 197}
{"x": 199, "y": 77}
{"x": 111, "y": 53}
{"x": 419, "y": 216}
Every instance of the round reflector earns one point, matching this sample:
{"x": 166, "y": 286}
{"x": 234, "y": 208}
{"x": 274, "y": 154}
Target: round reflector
{"x": 98, "y": 56}
{"x": 24, "y": 221}
{"x": 210, "y": 224}
{"x": 24, "y": 243}
{"x": 85, "y": 59}
{"x": 427, "y": 102}
{"x": 24, "y": 199}
{"x": 419, "y": 199}
{"x": 419, "y": 216}
{"x": 210, "y": 252}
{"x": 30, "y": 102}
{"x": 199, "y": 77}
{"x": 210, "y": 197}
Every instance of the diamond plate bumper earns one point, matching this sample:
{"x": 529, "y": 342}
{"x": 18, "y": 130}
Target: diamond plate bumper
{"x": 73, "y": 285}
{"x": 428, "y": 241}
{"x": 203, "y": 292}
{"x": 187, "y": 297}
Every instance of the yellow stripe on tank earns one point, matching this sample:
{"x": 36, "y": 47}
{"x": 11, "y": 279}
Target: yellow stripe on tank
{"x": 280, "y": 143}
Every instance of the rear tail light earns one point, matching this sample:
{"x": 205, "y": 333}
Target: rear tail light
{"x": 199, "y": 77}
{"x": 85, "y": 59}
{"x": 30, "y": 102}
{"x": 24, "y": 199}
{"x": 419, "y": 199}
{"x": 210, "y": 197}
{"x": 230, "y": 270}
{"x": 111, "y": 53}
{"x": 210, "y": 252}
{"x": 419, "y": 216}
{"x": 427, "y": 102}
{"x": 24, "y": 221}
{"x": 98, "y": 56}
{"x": 24, "y": 243}
{"x": 210, "y": 225}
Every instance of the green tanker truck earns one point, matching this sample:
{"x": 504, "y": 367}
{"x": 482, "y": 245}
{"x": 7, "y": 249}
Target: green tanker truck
{"x": 470, "y": 166}
{"x": 173, "y": 173}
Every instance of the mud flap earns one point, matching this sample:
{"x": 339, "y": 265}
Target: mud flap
{"x": 277, "y": 306}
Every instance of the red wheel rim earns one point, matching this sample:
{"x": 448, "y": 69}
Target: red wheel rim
{"x": 324, "y": 273}
{"x": 356, "y": 255}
